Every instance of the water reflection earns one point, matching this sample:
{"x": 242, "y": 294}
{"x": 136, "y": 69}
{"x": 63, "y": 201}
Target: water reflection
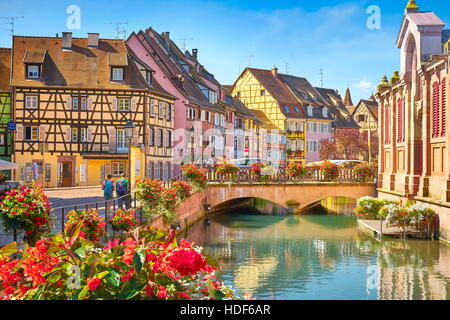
{"x": 320, "y": 257}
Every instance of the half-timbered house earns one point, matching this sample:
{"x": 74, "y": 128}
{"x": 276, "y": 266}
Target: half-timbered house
{"x": 5, "y": 103}
{"x": 72, "y": 99}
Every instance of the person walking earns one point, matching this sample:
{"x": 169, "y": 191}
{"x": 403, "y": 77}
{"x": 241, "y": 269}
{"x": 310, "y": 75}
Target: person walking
{"x": 108, "y": 190}
{"x": 123, "y": 192}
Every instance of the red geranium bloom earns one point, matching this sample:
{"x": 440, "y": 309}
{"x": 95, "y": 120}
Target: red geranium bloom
{"x": 94, "y": 283}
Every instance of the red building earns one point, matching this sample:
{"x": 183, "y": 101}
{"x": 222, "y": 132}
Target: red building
{"x": 413, "y": 126}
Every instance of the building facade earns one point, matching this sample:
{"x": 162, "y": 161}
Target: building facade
{"x": 413, "y": 108}
{"x": 5, "y": 104}
{"x": 72, "y": 99}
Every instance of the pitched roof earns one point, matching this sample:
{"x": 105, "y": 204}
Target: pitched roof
{"x": 80, "y": 67}
{"x": 348, "y": 98}
{"x": 371, "y": 105}
{"x": 5, "y": 68}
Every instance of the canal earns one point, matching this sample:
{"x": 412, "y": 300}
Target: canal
{"x": 318, "y": 255}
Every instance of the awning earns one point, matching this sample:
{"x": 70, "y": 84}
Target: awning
{"x": 5, "y": 165}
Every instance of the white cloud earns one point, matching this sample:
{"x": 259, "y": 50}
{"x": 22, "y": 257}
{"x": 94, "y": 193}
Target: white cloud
{"x": 364, "y": 85}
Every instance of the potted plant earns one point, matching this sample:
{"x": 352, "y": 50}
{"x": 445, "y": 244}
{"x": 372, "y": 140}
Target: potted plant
{"x": 329, "y": 171}
{"x": 364, "y": 172}
{"x": 195, "y": 176}
{"x": 124, "y": 220}
{"x": 92, "y": 224}
{"x": 295, "y": 170}
{"x": 227, "y": 171}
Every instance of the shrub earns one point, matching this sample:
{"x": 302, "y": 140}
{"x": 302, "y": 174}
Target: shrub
{"x": 262, "y": 171}
{"x": 27, "y": 209}
{"x": 364, "y": 172}
{"x": 195, "y": 176}
{"x": 148, "y": 191}
{"x": 183, "y": 189}
{"x": 92, "y": 224}
{"x": 369, "y": 208}
{"x": 124, "y": 220}
{"x": 152, "y": 266}
{"x": 419, "y": 213}
{"x": 394, "y": 214}
{"x": 329, "y": 171}
{"x": 169, "y": 203}
{"x": 227, "y": 170}
{"x": 3, "y": 177}
{"x": 295, "y": 170}
{"x": 292, "y": 203}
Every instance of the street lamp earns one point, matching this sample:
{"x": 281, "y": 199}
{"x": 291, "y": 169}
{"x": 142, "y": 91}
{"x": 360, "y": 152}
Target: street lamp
{"x": 129, "y": 131}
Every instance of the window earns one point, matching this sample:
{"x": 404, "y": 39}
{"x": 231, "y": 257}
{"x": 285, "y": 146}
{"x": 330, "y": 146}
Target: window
{"x": 151, "y": 137}
{"x": 31, "y": 102}
{"x": 122, "y": 141}
{"x": 152, "y": 107}
{"x": 2, "y": 139}
{"x": 310, "y": 111}
{"x": 168, "y": 112}
{"x": 74, "y": 134}
{"x": 361, "y": 118}
{"x": 400, "y": 120}
{"x": 33, "y": 72}
{"x": 75, "y": 103}
{"x": 286, "y": 108}
{"x": 83, "y": 103}
{"x": 387, "y": 138}
{"x": 157, "y": 171}
{"x": 297, "y": 109}
{"x": 263, "y": 92}
{"x": 165, "y": 171}
{"x": 148, "y": 77}
{"x": 124, "y": 104}
{"x": 83, "y": 134}
{"x": 169, "y": 139}
{"x": 325, "y": 112}
{"x": 31, "y": 133}
{"x": 117, "y": 74}
{"x": 161, "y": 110}
{"x": 239, "y": 94}
{"x": 117, "y": 168}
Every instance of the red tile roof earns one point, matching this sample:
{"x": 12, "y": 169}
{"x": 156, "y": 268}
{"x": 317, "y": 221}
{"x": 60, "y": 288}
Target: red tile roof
{"x": 5, "y": 68}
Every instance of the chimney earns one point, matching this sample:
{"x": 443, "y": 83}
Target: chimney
{"x": 93, "y": 40}
{"x": 166, "y": 36}
{"x": 275, "y": 71}
{"x": 67, "y": 40}
{"x": 195, "y": 53}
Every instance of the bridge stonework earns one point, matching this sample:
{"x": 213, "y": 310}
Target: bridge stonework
{"x": 306, "y": 194}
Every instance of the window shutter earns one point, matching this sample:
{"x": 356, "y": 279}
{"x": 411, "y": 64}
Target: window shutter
{"x": 90, "y": 105}
{"x": 19, "y": 132}
{"x": 135, "y": 139}
{"x": 89, "y": 135}
{"x": 168, "y": 113}
{"x": 150, "y": 170}
{"x": 107, "y": 169}
{"x": 114, "y": 104}
{"x": 133, "y": 104}
{"x": 435, "y": 110}
{"x": 112, "y": 140}
{"x": 68, "y": 134}
{"x": 444, "y": 108}
{"x": 42, "y": 132}
{"x": 69, "y": 103}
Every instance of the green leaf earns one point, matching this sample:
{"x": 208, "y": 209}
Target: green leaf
{"x": 8, "y": 249}
{"x": 138, "y": 260}
{"x": 113, "y": 278}
{"x": 219, "y": 295}
{"x": 211, "y": 261}
{"x": 54, "y": 276}
{"x": 83, "y": 293}
{"x": 132, "y": 289}
{"x": 73, "y": 231}
{"x": 81, "y": 252}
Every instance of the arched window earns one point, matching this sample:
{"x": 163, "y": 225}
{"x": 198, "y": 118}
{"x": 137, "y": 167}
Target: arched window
{"x": 436, "y": 110}
{"x": 444, "y": 107}
{"x": 387, "y": 139}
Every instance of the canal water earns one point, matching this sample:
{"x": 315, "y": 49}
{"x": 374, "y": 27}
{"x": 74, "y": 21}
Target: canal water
{"x": 319, "y": 256}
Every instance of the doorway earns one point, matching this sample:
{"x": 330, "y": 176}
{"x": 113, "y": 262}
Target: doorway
{"x": 66, "y": 174}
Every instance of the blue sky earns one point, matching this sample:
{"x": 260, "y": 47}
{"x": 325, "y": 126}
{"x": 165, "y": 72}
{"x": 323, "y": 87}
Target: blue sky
{"x": 305, "y": 36}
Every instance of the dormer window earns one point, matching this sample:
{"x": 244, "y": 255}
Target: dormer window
{"x": 297, "y": 109}
{"x": 325, "y": 112}
{"x": 117, "y": 74}
{"x": 33, "y": 72}
{"x": 148, "y": 77}
{"x": 310, "y": 111}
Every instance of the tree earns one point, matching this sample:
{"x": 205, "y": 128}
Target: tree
{"x": 349, "y": 144}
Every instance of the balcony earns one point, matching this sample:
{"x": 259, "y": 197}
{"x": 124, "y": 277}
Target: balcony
{"x": 295, "y": 155}
{"x": 295, "y": 135}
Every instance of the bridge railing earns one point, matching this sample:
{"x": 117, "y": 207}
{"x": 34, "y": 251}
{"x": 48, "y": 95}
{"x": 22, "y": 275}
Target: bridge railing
{"x": 245, "y": 175}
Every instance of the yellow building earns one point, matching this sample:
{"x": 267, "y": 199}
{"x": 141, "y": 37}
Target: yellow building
{"x": 72, "y": 99}
{"x": 366, "y": 115}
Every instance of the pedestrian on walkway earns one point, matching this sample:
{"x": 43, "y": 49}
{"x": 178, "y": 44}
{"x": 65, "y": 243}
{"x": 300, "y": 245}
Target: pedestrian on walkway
{"x": 108, "y": 191}
{"x": 123, "y": 192}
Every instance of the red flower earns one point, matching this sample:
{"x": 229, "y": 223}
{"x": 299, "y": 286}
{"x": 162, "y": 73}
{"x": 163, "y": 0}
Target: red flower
{"x": 94, "y": 283}
{"x": 162, "y": 292}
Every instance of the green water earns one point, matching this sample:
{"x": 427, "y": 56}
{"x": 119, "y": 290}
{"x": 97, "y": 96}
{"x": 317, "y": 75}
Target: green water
{"x": 320, "y": 257}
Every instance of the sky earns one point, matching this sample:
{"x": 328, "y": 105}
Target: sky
{"x": 299, "y": 37}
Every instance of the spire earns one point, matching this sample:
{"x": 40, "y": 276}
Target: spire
{"x": 348, "y": 98}
{"x": 411, "y": 7}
